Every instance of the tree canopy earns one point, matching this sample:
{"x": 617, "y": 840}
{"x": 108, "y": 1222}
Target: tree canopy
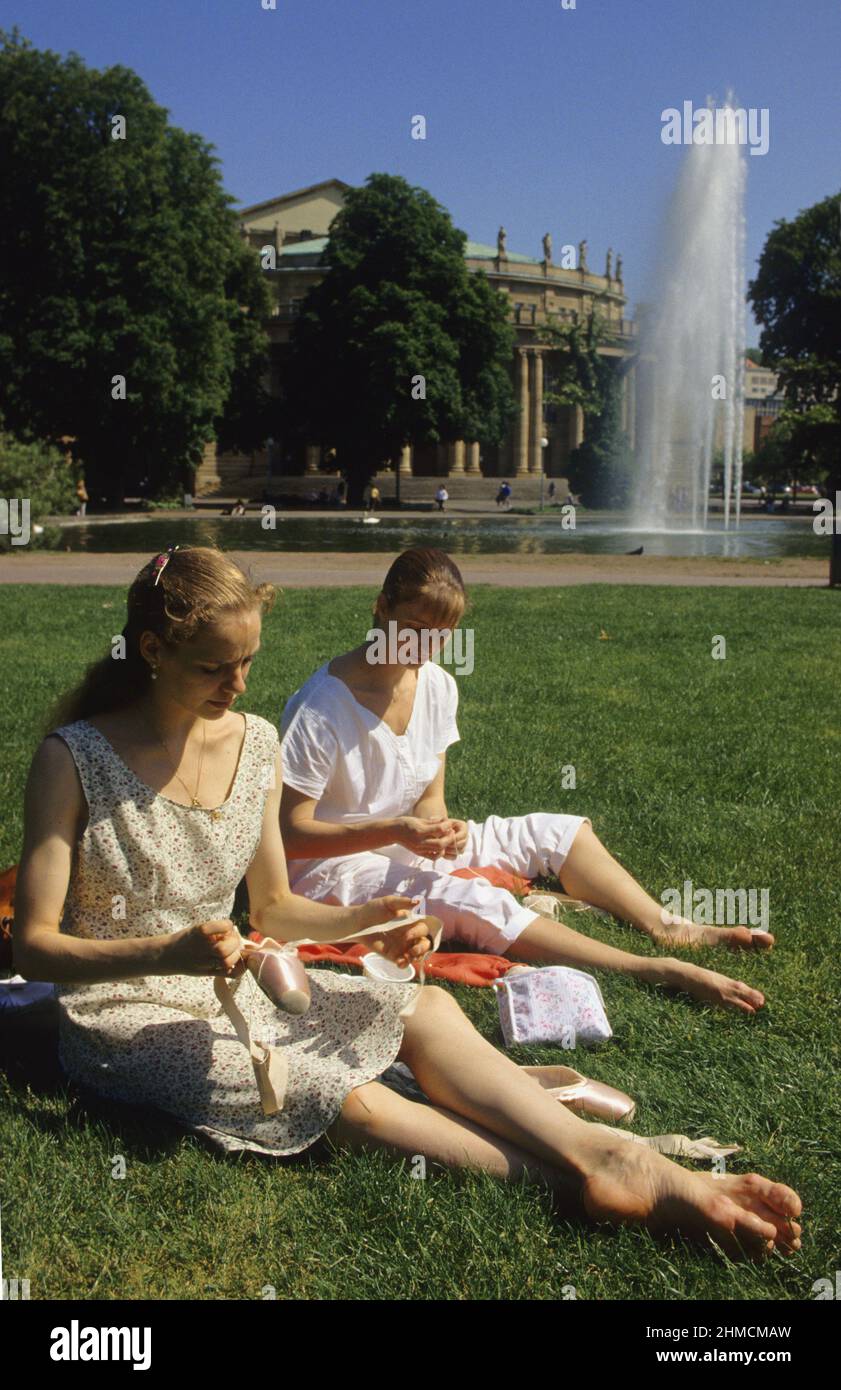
{"x": 399, "y": 343}
{"x": 796, "y": 296}
{"x": 120, "y": 256}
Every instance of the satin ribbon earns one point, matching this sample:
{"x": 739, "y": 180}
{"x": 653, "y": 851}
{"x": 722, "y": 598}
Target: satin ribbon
{"x": 270, "y": 1067}
{"x": 678, "y": 1145}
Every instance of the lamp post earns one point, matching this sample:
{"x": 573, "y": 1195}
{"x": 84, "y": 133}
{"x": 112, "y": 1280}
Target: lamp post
{"x": 835, "y": 538}
{"x": 544, "y": 444}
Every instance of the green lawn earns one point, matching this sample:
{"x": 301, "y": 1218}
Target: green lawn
{"x": 727, "y": 772}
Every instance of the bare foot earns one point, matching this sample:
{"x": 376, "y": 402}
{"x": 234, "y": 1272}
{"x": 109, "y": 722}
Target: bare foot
{"x": 746, "y": 1215}
{"x": 679, "y": 931}
{"x": 712, "y": 988}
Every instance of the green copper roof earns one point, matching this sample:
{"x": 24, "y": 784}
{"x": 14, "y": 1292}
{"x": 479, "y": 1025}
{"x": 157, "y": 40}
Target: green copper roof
{"x": 478, "y": 251}
{"x": 304, "y": 248}
{"x": 474, "y": 250}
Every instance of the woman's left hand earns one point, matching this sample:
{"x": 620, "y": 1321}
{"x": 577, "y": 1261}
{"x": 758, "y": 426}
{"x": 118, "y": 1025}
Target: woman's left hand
{"x": 459, "y": 841}
{"x": 405, "y": 945}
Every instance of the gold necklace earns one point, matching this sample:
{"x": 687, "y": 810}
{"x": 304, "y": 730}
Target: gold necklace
{"x": 194, "y": 799}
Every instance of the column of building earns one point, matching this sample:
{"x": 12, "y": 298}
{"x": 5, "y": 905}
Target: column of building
{"x": 536, "y": 393}
{"x": 455, "y": 458}
{"x": 458, "y": 457}
{"x": 521, "y": 444}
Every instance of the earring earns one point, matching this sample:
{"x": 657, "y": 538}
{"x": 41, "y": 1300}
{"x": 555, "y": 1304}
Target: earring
{"x": 154, "y": 673}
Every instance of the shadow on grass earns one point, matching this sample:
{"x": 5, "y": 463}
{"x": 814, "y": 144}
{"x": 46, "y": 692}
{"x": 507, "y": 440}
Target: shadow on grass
{"x": 29, "y": 1060}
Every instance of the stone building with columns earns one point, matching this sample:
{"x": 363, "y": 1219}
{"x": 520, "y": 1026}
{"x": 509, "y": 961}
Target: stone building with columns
{"x": 296, "y": 225}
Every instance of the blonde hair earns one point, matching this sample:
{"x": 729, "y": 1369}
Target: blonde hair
{"x": 197, "y": 586}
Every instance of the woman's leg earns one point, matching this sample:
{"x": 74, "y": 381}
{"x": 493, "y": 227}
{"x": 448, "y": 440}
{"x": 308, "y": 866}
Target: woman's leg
{"x": 543, "y": 843}
{"x": 590, "y": 873}
{"x": 492, "y": 919}
{"x": 465, "y": 1076}
{"x": 375, "y": 1117}
{"x": 413, "y": 1128}
{"x": 548, "y": 942}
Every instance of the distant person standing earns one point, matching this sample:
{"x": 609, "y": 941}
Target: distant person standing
{"x": 82, "y": 497}
{"x": 552, "y": 490}
{"x": 373, "y": 498}
{"x": 503, "y": 496}
{"x": 441, "y": 497}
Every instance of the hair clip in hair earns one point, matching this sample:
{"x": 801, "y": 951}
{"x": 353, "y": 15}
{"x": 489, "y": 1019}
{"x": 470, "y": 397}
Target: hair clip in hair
{"x": 163, "y": 560}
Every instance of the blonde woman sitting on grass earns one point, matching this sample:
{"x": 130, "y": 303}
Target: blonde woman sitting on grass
{"x": 145, "y": 806}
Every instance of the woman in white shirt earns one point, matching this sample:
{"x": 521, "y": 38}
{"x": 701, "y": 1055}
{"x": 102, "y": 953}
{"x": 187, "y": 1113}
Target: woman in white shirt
{"x": 363, "y": 810}
{"x": 139, "y": 1018}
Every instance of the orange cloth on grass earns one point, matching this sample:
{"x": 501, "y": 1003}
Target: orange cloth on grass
{"x": 7, "y": 913}
{"x": 460, "y": 967}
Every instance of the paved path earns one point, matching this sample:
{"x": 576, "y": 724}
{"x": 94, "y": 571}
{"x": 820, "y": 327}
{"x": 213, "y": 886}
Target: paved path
{"x": 307, "y": 569}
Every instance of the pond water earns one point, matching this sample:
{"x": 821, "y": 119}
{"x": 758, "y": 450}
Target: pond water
{"x": 758, "y": 537}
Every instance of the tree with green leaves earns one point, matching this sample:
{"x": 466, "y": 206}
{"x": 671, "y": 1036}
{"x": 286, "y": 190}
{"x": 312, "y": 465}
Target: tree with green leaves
{"x": 600, "y": 468}
{"x": 121, "y": 262}
{"x": 796, "y": 296}
{"x": 37, "y": 474}
{"x": 399, "y": 343}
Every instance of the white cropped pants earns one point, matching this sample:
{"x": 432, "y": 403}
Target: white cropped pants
{"x": 472, "y": 910}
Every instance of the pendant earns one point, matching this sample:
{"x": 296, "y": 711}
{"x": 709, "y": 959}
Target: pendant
{"x": 216, "y": 815}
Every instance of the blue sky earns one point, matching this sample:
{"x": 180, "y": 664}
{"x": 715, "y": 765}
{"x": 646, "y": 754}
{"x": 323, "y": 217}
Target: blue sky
{"x": 539, "y": 117}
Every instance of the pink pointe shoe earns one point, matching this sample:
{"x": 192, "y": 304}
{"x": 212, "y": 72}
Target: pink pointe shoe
{"x": 591, "y": 1097}
{"x": 596, "y": 1098}
{"x": 281, "y": 975}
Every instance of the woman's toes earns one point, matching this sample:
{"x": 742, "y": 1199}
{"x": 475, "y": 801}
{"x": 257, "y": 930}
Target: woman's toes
{"x": 761, "y": 940}
{"x": 751, "y": 1230}
{"x": 773, "y": 1203}
{"x": 738, "y": 938}
{"x": 743, "y": 939}
{"x": 743, "y": 1006}
{"x": 753, "y": 997}
{"x": 736, "y": 1229}
{"x": 778, "y": 1195}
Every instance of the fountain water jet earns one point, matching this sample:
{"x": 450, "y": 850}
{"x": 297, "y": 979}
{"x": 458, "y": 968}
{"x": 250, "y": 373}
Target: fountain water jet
{"x": 695, "y": 334}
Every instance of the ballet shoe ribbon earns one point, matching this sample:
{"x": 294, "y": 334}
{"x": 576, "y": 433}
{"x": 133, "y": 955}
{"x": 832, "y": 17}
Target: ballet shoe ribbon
{"x": 436, "y": 927}
{"x": 678, "y": 1145}
{"x": 271, "y": 1071}
{"x": 270, "y": 1068}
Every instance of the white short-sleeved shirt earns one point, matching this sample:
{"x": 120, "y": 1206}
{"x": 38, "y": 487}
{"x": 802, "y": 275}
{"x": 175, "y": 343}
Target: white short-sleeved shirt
{"x": 349, "y": 760}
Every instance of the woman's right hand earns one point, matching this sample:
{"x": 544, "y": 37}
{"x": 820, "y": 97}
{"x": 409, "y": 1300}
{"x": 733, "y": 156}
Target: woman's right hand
{"x": 405, "y": 944}
{"x": 428, "y": 836}
{"x": 211, "y": 948}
